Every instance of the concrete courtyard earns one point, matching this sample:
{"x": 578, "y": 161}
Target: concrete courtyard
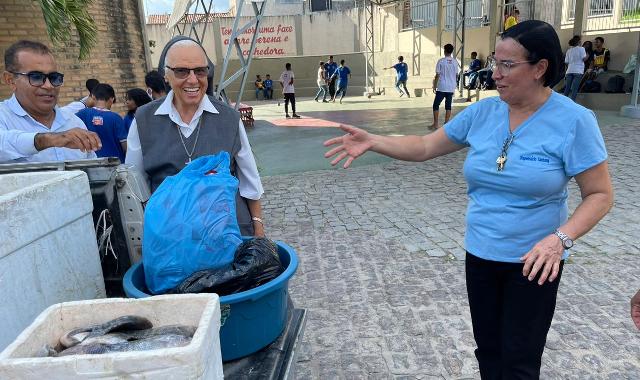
{"x": 381, "y": 252}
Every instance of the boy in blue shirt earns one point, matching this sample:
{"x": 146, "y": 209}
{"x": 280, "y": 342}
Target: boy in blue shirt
{"x": 342, "y": 73}
{"x": 107, "y": 124}
{"x": 401, "y": 71}
{"x": 472, "y": 72}
{"x": 330, "y": 68}
{"x": 268, "y": 87}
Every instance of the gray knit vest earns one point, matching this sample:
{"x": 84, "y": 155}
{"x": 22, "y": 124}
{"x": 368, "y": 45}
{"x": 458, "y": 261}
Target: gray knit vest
{"x": 164, "y": 155}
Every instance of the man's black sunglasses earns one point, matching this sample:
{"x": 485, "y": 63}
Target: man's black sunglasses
{"x": 37, "y": 78}
{"x": 183, "y": 72}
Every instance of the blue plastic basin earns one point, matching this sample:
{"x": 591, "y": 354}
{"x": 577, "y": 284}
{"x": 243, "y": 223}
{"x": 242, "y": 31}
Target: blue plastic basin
{"x": 254, "y": 318}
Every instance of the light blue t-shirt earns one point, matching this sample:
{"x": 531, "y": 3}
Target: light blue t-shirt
{"x": 512, "y": 210}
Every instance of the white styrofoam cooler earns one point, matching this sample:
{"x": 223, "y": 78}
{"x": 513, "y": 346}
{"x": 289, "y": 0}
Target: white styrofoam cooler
{"x": 201, "y": 359}
{"x": 48, "y": 249}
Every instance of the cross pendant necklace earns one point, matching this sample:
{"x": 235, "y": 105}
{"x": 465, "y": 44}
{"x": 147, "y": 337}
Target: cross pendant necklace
{"x": 502, "y": 158}
{"x": 195, "y": 143}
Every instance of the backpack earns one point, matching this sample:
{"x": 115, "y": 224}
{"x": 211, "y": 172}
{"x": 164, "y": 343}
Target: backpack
{"x": 591, "y": 86}
{"x": 615, "y": 85}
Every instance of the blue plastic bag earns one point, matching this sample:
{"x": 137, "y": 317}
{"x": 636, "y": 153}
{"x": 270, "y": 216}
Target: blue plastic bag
{"x": 190, "y": 223}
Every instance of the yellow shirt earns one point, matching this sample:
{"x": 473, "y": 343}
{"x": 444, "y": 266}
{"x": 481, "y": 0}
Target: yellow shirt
{"x": 509, "y": 22}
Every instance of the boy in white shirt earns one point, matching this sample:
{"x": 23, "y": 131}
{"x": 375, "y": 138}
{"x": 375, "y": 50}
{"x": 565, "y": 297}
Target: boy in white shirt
{"x": 444, "y": 84}
{"x": 286, "y": 80}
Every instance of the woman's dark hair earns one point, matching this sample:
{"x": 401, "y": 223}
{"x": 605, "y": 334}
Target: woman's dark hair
{"x": 574, "y": 41}
{"x": 588, "y": 46}
{"x": 139, "y": 97}
{"x": 541, "y": 42}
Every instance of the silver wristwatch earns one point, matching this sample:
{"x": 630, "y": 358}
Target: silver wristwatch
{"x": 567, "y": 242}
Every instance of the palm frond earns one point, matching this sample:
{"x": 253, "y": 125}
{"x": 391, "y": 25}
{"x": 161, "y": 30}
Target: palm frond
{"x": 59, "y": 15}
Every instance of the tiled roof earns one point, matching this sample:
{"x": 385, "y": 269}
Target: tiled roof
{"x": 163, "y": 19}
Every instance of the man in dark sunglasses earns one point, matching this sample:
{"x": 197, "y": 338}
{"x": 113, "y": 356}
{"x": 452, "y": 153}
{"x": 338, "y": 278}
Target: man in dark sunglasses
{"x": 32, "y": 127}
{"x": 169, "y": 133}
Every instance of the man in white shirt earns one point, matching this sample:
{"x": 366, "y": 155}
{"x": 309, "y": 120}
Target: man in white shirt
{"x": 32, "y": 127}
{"x": 286, "y": 81}
{"x": 170, "y": 132}
{"x": 444, "y": 84}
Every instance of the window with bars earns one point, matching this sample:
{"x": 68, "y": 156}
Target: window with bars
{"x": 424, "y": 13}
{"x": 476, "y": 14}
{"x": 570, "y": 10}
{"x": 600, "y": 8}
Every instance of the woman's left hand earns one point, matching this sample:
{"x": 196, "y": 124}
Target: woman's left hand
{"x": 544, "y": 256}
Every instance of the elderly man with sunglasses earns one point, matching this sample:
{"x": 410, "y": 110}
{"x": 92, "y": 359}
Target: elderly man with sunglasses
{"x": 168, "y": 133}
{"x": 32, "y": 127}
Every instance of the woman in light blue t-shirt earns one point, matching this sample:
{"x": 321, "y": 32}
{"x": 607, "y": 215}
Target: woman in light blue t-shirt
{"x": 524, "y": 147}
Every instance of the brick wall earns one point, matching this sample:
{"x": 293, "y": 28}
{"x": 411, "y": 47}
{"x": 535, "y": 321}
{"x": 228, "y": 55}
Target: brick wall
{"x": 117, "y": 59}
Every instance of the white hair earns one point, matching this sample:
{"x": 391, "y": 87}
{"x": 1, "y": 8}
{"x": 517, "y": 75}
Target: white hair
{"x": 183, "y": 43}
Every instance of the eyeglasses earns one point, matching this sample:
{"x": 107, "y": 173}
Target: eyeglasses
{"x": 183, "y": 72}
{"x": 37, "y": 78}
{"x": 504, "y": 67}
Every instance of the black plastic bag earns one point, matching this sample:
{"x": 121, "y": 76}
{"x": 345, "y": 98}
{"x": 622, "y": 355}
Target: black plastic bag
{"x": 255, "y": 262}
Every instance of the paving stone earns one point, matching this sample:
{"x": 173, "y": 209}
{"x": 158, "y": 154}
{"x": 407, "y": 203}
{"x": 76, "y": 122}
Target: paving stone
{"x": 382, "y": 276}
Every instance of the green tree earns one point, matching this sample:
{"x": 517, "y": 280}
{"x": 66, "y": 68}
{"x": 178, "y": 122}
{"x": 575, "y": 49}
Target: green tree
{"x": 60, "y": 15}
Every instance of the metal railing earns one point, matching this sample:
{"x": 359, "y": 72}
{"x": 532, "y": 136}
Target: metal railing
{"x": 524, "y": 7}
{"x": 424, "y": 13}
{"x": 600, "y": 8}
{"x": 611, "y": 15}
{"x": 477, "y": 14}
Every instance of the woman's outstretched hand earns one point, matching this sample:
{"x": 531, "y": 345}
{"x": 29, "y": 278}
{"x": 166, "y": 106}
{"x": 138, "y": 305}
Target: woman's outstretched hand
{"x": 350, "y": 146}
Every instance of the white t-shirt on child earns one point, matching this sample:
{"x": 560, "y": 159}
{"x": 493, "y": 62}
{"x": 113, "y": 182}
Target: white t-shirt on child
{"x": 575, "y": 59}
{"x": 447, "y": 68}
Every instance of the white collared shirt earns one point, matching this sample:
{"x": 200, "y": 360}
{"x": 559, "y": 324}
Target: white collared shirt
{"x": 18, "y": 129}
{"x": 76, "y": 106}
{"x": 250, "y": 186}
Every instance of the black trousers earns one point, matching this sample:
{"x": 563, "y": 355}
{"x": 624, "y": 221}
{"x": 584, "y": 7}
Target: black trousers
{"x": 332, "y": 87}
{"x": 511, "y": 317}
{"x": 289, "y": 98}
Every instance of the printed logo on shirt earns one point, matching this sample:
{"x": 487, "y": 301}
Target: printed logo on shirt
{"x": 534, "y": 158}
{"x": 97, "y": 120}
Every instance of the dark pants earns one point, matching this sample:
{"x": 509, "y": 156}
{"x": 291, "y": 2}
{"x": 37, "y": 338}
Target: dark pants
{"x": 332, "y": 88}
{"x": 511, "y": 317}
{"x": 289, "y": 98}
{"x": 446, "y": 96}
{"x": 268, "y": 93}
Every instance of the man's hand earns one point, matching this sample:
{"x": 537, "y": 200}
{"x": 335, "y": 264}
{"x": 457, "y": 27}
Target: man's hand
{"x": 258, "y": 229}
{"x": 635, "y": 309}
{"x": 76, "y": 138}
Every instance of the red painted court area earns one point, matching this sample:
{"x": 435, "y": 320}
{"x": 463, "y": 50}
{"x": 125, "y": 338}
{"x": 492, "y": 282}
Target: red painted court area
{"x": 305, "y": 122}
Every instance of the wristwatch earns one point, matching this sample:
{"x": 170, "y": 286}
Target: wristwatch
{"x": 567, "y": 242}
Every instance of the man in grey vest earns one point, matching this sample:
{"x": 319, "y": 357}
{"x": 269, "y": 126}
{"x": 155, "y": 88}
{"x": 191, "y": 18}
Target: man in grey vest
{"x": 170, "y": 132}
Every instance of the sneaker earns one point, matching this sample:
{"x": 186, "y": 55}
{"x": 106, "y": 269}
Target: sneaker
{"x": 288, "y": 117}
{"x": 340, "y": 100}
{"x": 408, "y": 96}
{"x": 401, "y": 94}
{"x": 325, "y": 101}
{"x": 296, "y": 116}
{"x": 316, "y": 99}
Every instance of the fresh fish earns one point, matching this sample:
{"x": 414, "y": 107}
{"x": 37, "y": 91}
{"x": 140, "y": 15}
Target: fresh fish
{"x": 153, "y": 343}
{"x": 128, "y": 336}
{"x": 127, "y": 322}
{"x": 187, "y": 331}
{"x": 46, "y": 351}
{"x": 112, "y": 338}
